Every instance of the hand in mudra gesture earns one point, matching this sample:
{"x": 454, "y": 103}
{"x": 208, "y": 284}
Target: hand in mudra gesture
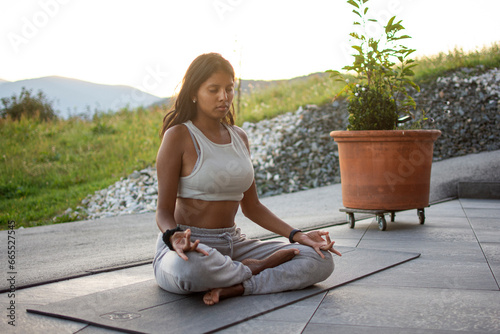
{"x": 181, "y": 243}
{"x": 315, "y": 240}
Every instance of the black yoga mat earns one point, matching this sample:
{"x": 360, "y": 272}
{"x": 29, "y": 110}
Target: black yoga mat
{"x": 145, "y": 308}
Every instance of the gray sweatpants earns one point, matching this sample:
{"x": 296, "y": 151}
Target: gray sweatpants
{"x": 222, "y": 267}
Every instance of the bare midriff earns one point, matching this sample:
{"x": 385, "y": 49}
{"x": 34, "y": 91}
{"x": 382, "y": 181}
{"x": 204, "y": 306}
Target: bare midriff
{"x": 205, "y": 214}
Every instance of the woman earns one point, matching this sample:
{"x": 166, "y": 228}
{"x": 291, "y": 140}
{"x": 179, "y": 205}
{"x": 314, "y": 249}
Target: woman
{"x": 204, "y": 175}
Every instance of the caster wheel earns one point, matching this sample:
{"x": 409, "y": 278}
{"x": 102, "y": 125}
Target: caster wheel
{"x": 421, "y": 216}
{"x": 382, "y": 224}
{"x": 352, "y": 221}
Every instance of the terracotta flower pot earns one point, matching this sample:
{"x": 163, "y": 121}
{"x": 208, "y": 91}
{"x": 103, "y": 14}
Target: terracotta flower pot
{"x": 386, "y": 170}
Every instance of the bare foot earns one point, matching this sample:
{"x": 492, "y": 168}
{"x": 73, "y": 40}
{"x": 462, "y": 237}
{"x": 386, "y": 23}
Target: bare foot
{"x": 216, "y": 295}
{"x": 256, "y": 266}
{"x": 273, "y": 260}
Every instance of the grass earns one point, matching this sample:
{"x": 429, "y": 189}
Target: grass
{"x": 287, "y": 96}
{"x": 48, "y": 167}
{"x": 430, "y": 68}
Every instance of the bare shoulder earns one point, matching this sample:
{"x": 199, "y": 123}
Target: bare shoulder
{"x": 173, "y": 139}
{"x": 241, "y": 133}
{"x": 177, "y": 132}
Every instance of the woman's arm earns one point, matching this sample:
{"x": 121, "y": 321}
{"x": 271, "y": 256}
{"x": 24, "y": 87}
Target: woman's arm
{"x": 168, "y": 169}
{"x": 257, "y": 212}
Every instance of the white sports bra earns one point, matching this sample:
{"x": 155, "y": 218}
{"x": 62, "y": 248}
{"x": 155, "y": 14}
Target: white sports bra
{"x": 223, "y": 172}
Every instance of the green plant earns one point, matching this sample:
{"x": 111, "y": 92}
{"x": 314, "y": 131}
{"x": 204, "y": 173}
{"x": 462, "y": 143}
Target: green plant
{"x": 383, "y": 70}
{"x": 27, "y": 105}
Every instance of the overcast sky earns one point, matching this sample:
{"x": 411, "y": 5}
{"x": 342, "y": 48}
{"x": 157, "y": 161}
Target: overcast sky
{"x": 149, "y": 44}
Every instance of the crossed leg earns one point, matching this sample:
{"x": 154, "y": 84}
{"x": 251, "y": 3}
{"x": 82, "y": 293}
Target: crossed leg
{"x": 256, "y": 266}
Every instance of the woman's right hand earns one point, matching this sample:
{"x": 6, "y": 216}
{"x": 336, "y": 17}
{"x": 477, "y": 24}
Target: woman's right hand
{"x": 181, "y": 243}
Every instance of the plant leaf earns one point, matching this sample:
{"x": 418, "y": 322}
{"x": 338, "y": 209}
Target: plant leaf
{"x": 410, "y": 51}
{"x": 356, "y": 12}
{"x": 357, "y": 48}
{"x": 389, "y": 24}
{"x": 355, "y": 35}
{"x": 353, "y": 3}
{"x": 408, "y": 72}
{"x": 410, "y": 66}
{"x": 411, "y": 83}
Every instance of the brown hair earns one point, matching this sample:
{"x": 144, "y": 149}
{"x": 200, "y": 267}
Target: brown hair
{"x": 197, "y": 73}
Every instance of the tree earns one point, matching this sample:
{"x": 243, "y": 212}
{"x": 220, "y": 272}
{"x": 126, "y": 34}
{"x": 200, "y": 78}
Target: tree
{"x": 27, "y": 105}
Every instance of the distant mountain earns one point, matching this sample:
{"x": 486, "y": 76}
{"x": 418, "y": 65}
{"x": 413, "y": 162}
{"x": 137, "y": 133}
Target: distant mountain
{"x": 71, "y": 97}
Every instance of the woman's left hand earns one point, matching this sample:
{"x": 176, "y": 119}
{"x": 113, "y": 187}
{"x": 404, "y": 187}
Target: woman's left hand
{"x": 315, "y": 240}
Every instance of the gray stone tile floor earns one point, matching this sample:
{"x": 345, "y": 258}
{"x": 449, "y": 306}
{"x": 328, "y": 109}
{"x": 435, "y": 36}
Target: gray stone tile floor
{"x": 452, "y": 287}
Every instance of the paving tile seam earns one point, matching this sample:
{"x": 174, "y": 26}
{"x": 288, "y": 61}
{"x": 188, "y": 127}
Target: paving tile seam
{"x": 480, "y": 245}
{"x": 86, "y": 273}
{"x": 87, "y": 326}
{"x": 406, "y": 329}
{"x": 360, "y": 283}
{"x": 444, "y": 260}
{"x": 367, "y": 228}
{"x": 491, "y": 270}
{"x": 357, "y": 326}
{"x": 46, "y": 282}
{"x": 315, "y": 310}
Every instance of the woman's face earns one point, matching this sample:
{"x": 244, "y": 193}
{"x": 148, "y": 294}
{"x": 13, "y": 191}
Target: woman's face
{"x": 215, "y": 96}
